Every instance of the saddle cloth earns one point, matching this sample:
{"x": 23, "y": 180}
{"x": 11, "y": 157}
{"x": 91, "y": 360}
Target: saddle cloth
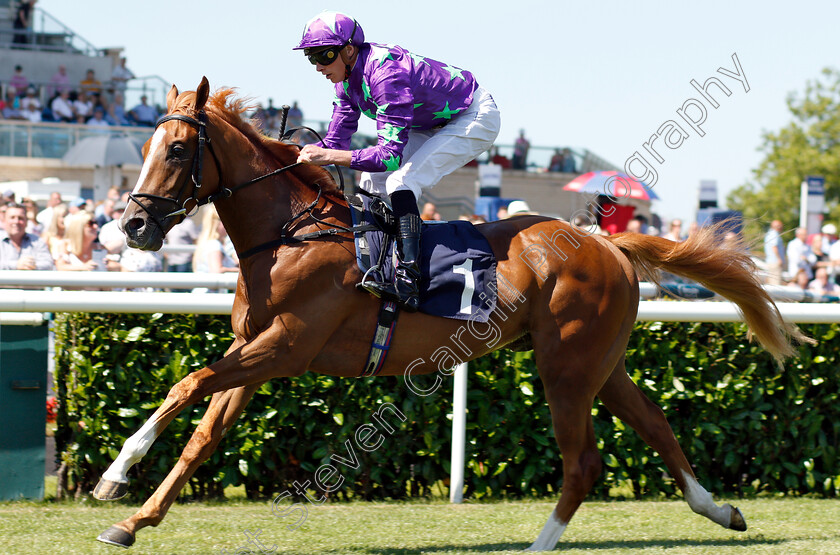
{"x": 457, "y": 265}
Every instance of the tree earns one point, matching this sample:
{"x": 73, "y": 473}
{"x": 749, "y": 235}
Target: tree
{"x": 809, "y": 145}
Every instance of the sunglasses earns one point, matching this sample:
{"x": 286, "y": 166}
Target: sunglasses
{"x": 324, "y": 57}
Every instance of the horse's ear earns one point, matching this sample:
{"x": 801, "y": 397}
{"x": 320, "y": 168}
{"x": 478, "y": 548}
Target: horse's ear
{"x": 170, "y": 98}
{"x": 201, "y": 94}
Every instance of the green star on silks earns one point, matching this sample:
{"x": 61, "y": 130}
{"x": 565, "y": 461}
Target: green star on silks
{"x": 419, "y": 59}
{"x": 446, "y": 113}
{"x": 365, "y": 90}
{"x": 392, "y": 163}
{"x": 346, "y": 88}
{"x": 390, "y": 132}
{"x": 384, "y": 55}
{"x": 381, "y": 109}
{"x": 454, "y": 72}
{"x": 369, "y": 114}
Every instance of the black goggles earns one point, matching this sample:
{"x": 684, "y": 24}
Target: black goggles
{"x": 324, "y": 57}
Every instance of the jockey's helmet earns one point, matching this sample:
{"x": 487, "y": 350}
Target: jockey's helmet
{"x": 331, "y": 29}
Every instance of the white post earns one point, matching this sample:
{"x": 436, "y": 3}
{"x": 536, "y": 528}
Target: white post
{"x": 803, "y": 204}
{"x": 459, "y": 435}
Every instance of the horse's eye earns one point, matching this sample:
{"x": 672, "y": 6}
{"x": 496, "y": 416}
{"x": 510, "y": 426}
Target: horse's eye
{"x": 176, "y": 151}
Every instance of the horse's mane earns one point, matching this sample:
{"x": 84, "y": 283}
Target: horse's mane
{"x": 230, "y": 108}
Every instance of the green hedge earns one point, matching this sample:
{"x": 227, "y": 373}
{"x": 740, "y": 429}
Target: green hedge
{"x": 746, "y": 427}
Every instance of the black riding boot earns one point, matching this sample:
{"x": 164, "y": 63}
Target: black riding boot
{"x": 406, "y": 287}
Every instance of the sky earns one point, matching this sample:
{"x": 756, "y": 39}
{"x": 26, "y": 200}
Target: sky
{"x": 599, "y": 75}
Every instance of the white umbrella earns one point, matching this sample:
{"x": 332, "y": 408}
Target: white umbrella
{"x": 104, "y": 150}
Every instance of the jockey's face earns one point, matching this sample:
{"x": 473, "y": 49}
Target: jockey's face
{"x": 336, "y": 71}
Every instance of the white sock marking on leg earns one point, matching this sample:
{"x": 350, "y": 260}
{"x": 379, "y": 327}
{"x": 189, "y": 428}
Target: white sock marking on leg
{"x": 701, "y": 502}
{"x": 550, "y": 534}
{"x": 132, "y": 451}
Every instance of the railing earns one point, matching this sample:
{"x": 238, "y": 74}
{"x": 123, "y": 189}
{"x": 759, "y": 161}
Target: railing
{"x": 48, "y": 34}
{"x": 53, "y": 140}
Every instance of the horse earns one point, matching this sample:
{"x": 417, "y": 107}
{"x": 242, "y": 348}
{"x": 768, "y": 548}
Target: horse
{"x": 297, "y": 308}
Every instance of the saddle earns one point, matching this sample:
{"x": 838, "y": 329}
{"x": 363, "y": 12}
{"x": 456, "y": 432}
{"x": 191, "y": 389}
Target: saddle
{"x": 457, "y": 266}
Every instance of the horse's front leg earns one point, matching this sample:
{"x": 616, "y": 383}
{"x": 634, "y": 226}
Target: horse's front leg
{"x": 244, "y": 364}
{"x": 225, "y": 407}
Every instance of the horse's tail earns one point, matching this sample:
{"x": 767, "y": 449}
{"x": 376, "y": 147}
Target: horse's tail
{"x": 728, "y": 271}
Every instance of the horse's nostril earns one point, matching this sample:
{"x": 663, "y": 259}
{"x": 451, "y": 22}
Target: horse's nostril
{"x": 134, "y": 224}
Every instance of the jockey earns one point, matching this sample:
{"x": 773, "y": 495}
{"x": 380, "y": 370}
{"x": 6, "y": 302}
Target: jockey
{"x": 431, "y": 119}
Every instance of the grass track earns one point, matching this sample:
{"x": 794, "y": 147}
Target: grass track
{"x": 776, "y": 526}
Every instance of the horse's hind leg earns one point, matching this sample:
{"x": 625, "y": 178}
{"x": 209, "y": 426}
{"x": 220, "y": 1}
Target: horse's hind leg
{"x": 570, "y": 401}
{"x": 625, "y": 400}
{"x": 223, "y": 410}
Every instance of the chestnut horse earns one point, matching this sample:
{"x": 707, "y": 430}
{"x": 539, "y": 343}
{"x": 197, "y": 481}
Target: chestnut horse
{"x": 297, "y": 308}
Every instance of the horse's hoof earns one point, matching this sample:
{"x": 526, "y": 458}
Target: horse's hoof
{"x": 107, "y": 490}
{"x": 737, "y": 521}
{"x": 116, "y": 536}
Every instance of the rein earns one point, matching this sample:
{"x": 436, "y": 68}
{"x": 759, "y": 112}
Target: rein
{"x": 226, "y": 192}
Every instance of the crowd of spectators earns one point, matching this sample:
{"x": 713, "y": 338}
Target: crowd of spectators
{"x": 90, "y": 101}
{"x": 81, "y": 236}
{"x": 809, "y": 262}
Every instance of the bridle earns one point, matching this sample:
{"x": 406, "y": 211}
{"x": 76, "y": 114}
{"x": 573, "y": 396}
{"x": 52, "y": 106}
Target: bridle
{"x": 200, "y": 124}
{"x": 182, "y": 208}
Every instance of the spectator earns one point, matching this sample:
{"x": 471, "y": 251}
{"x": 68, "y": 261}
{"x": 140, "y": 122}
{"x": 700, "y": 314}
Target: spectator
{"x": 83, "y": 107}
{"x": 821, "y": 285}
{"x": 556, "y": 162}
{"x": 520, "y": 151}
{"x": 98, "y": 119}
{"x": 8, "y": 197}
{"x": 674, "y": 232}
{"x": 23, "y": 19}
{"x": 634, "y": 226}
{"x": 693, "y": 227}
{"x": 100, "y": 211}
{"x": 19, "y": 81}
{"x": 271, "y": 109}
{"x": 143, "y": 114}
{"x": 799, "y": 254}
{"x": 30, "y": 106}
{"x": 209, "y": 253}
{"x": 116, "y": 111}
{"x": 800, "y": 280}
{"x": 295, "y": 118}
{"x": 774, "y": 253}
{"x": 589, "y": 225}
{"x": 90, "y": 84}
{"x": 83, "y": 252}
{"x": 104, "y": 212}
{"x": 2, "y": 219}
{"x": 429, "y": 212}
{"x": 20, "y": 250}
{"x": 32, "y": 225}
{"x": 11, "y": 108}
{"x": 519, "y": 208}
{"x": 183, "y": 234}
{"x": 74, "y": 207}
{"x": 502, "y": 213}
{"x": 62, "y": 107}
{"x": 569, "y": 165}
{"x": 829, "y": 233}
{"x": 45, "y": 216}
{"x": 110, "y": 235}
{"x": 60, "y": 82}
{"x": 260, "y": 118}
{"x": 819, "y": 256}
{"x": 120, "y": 76}
{"x": 54, "y": 235}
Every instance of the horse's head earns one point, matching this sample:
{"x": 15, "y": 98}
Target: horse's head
{"x": 175, "y": 162}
